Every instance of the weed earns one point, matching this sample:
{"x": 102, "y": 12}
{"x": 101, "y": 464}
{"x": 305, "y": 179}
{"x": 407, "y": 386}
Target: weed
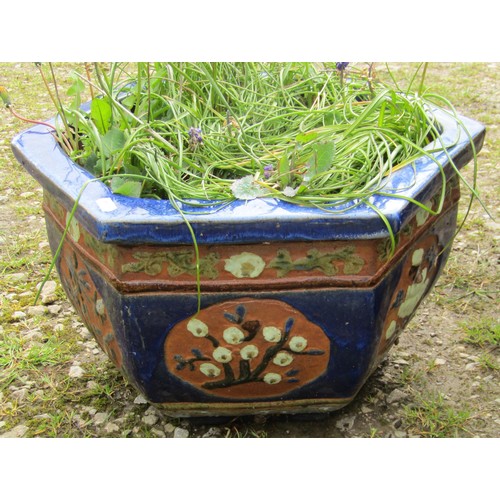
{"x": 486, "y": 332}
{"x": 432, "y": 417}
{"x": 486, "y": 361}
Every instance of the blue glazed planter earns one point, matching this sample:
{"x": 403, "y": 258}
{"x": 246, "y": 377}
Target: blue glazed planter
{"x": 298, "y": 305}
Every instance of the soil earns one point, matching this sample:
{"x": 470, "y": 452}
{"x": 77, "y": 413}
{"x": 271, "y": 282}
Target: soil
{"x": 434, "y": 383}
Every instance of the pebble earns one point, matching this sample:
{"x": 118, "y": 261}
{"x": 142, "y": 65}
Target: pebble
{"x": 395, "y": 396}
{"x": 111, "y": 427}
{"x": 140, "y": 400}
{"x": 150, "y": 419}
{"x": 17, "y": 432}
{"x": 169, "y": 428}
{"x": 400, "y": 361}
{"x": 399, "y": 434}
{"x": 179, "y": 432}
{"x": 48, "y": 287}
{"x": 212, "y": 433}
{"x": 471, "y": 366}
{"x": 439, "y": 361}
{"x": 20, "y": 395}
{"x": 99, "y": 418}
{"x": 158, "y": 433}
{"x": 48, "y": 299}
{"x": 54, "y": 310}
{"x": 36, "y": 311}
{"x": 345, "y": 423}
{"x": 76, "y": 371}
{"x": 17, "y": 315}
{"x": 18, "y": 276}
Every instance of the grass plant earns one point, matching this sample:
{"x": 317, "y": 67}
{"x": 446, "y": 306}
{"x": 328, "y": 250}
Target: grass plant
{"x": 433, "y": 417}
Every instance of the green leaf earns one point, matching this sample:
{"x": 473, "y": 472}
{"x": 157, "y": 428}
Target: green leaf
{"x": 101, "y": 114}
{"x": 325, "y": 153}
{"x": 77, "y": 87}
{"x": 306, "y": 137}
{"x": 126, "y": 187}
{"x": 114, "y": 140}
{"x": 247, "y": 189}
{"x": 284, "y": 170}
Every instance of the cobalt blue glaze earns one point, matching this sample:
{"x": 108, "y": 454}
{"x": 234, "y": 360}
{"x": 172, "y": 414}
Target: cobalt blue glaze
{"x": 119, "y": 219}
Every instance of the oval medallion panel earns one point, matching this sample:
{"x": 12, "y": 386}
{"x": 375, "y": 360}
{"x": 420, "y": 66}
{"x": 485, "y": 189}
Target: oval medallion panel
{"x": 247, "y": 349}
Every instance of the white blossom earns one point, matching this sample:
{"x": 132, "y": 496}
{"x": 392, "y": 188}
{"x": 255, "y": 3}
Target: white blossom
{"x": 298, "y": 344}
{"x": 210, "y": 370}
{"x": 249, "y": 352}
{"x": 283, "y": 359}
{"x": 222, "y": 355}
{"x": 245, "y": 265}
{"x": 197, "y": 327}
{"x": 272, "y": 378}
{"x": 233, "y": 335}
{"x": 271, "y": 333}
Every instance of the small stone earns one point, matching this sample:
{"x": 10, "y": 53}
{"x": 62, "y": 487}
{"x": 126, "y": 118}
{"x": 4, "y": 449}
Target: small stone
{"x": 399, "y": 434}
{"x": 212, "y": 433}
{"x": 169, "y": 428}
{"x": 27, "y": 194}
{"x": 181, "y": 433}
{"x": 150, "y": 419}
{"x": 17, "y": 432}
{"x": 140, "y": 400}
{"x": 20, "y": 394}
{"x": 471, "y": 366}
{"x": 17, "y": 315}
{"x": 111, "y": 427}
{"x": 366, "y": 409}
{"x": 36, "y": 311}
{"x": 18, "y": 277}
{"x": 76, "y": 371}
{"x": 345, "y": 423}
{"x": 59, "y": 327}
{"x": 48, "y": 287}
{"x": 439, "y": 361}
{"x": 43, "y": 416}
{"x": 85, "y": 333}
{"x": 54, "y": 310}
{"x": 47, "y": 299}
{"x": 395, "y": 396}
{"x": 158, "y": 433}
{"x": 100, "y": 418}
{"x": 92, "y": 384}
{"x": 151, "y": 411}
{"x": 400, "y": 361}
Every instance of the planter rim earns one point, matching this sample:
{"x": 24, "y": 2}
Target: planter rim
{"x": 115, "y": 218}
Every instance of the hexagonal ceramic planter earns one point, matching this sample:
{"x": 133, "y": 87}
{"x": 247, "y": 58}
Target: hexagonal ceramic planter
{"x": 298, "y": 305}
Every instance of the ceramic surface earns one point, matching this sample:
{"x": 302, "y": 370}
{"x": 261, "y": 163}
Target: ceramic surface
{"x": 298, "y": 306}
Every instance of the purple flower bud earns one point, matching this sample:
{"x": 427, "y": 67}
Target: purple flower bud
{"x": 341, "y": 66}
{"x": 195, "y": 137}
{"x": 268, "y": 170}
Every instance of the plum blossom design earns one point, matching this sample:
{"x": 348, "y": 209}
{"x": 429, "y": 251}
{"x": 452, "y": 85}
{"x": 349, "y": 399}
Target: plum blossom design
{"x": 271, "y": 333}
{"x": 245, "y": 351}
{"x": 197, "y": 328}
{"x": 245, "y": 265}
{"x": 298, "y": 344}
{"x": 233, "y": 335}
